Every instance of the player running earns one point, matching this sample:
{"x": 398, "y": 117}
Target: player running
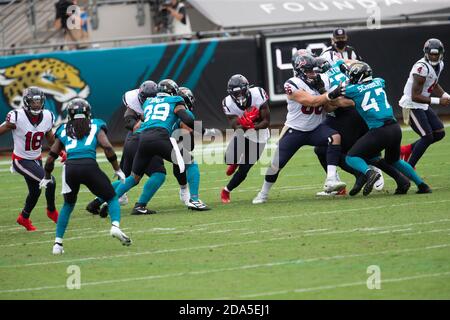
{"x": 422, "y": 83}
{"x": 303, "y": 126}
{"x": 368, "y": 96}
{"x": 29, "y": 126}
{"x": 248, "y": 113}
{"x": 80, "y": 137}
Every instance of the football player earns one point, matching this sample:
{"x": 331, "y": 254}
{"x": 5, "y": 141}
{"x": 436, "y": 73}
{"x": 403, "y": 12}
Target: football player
{"x": 29, "y": 126}
{"x": 191, "y": 176}
{"x": 303, "y": 126}
{"x": 79, "y": 137}
{"x": 133, "y": 101}
{"x": 248, "y": 113}
{"x": 421, "y": 85}
{"x": 367, "y": 94}
{"x": 161, "y": 114}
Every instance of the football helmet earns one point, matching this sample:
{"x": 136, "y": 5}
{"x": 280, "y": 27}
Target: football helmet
{"x": 78, "y": 109}
{"x": 434, "y": 47}
{"x": 188, "y": 97}
{"x": 304, "y": 68}
{"x": 33, "y": 100}
{"x": 239, "y": 89}
{"x": 168, "y": 86}
{"x": 322, "y": 65}
{"x": 147, "y": 89}
{"x": 359, "y": 72}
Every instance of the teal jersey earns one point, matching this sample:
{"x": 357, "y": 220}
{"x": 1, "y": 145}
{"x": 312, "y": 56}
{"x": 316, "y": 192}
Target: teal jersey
{"x": 371, "y": 102}
{"x": 159, "y": 113}
{"x": 84, "y": 148}
{"x": 335, "y": 74}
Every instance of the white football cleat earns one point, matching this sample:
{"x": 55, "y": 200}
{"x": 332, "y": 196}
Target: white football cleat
{"x": 333, "y": 184}
{"x": 123, "y": 200}
{"x": 197, "y": 205}
{"x": 118, "y": 234}
{"x": 185, "y": 196}
{"x": 58, "y": 249}
{"x": 379, "y": 184}
{"x": 260, "y": 198}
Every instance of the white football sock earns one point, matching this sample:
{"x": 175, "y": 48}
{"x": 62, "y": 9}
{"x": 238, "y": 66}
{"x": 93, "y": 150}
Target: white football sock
{"x": 58, "y": 240}
{"x": 266, "y": 187}
{"x": 331, "y": 172}
{"x": 116, "y": 224}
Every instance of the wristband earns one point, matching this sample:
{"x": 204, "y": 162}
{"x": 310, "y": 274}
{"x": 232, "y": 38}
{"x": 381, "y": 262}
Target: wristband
{"x": 435, "y": 100}
{"x": 112, "y": 158}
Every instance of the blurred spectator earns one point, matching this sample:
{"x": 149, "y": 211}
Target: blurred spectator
{"x": 173, "y": 18}
{"x": 73, "y": 23}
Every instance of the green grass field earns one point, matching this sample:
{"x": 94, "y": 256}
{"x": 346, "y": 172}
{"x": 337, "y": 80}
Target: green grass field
{"x": 296, "y": 246}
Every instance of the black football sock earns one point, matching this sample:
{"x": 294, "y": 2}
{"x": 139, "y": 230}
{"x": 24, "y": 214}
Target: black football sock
{"x": 420, "y": 146}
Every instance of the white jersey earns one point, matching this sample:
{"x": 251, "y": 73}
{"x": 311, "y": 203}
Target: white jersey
{"x": 301, "y": 117}
{"x": 131, "y": 100}
{"x": 257, "y": 98}
{"x": 27, "y": 136}
{"x": 424, "y": 69}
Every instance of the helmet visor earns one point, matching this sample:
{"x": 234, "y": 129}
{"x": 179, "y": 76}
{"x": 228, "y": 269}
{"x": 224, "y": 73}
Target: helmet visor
{"x": 239, "y": 95}
{"x": 35, "y": 104}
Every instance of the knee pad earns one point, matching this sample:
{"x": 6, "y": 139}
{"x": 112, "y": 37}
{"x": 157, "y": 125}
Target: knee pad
{"x": 438, "y": 135}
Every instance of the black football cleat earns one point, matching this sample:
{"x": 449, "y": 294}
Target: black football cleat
{"x": 403, "y": 189}
{"x": 424, "y": 188}
{"x": 141, "y": 210}
{"x": 94, "y": 207}
{"x": 372, "y": 177}
{"x": 359, "y": 184}
{"x": 104, "y": 211}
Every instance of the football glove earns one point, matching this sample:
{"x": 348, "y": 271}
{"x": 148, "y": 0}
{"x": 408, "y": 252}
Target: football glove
{"x": 63, "y": 156}
{"x": 119, "y": 173}
{"x": 252, "y": 115}
{"x": 245, "y": 122}
{"x": 336, "y": 93}
{"x": 44, "y": 182}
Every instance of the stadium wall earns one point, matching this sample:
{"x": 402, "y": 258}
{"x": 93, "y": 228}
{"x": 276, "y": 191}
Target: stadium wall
{"x": 103, "y": 75}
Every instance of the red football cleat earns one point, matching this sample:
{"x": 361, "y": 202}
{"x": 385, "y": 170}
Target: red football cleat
{"x": 225, "y": 196}
{"x": 53, "y": 215}
{"x": 342, "y": 192}
{"x": 231, "y": 169}
{"x": 405, "y": 152}
{"x": 26, "y": 223}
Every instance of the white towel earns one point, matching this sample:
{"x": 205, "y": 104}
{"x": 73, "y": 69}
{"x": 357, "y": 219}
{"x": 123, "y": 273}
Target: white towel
{"x": 65, "y": 187}
{"x": 180, "y": 160}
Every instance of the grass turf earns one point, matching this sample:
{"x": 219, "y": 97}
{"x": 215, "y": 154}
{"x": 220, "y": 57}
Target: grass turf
{"x": 296, "y": 246}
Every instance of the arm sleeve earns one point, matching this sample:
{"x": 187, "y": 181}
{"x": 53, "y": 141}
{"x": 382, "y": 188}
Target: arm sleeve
{"x": 186, "y": 118}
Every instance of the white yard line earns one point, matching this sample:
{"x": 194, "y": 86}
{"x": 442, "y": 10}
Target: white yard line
{"x": 237, "y": 268}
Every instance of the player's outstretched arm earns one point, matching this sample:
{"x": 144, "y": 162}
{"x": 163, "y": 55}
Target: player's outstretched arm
{"x": 6, "y": 127}
{"x": 181, "y": 113}
{"x": 264, "y": 113}
{"x": 108, "y": 149}
{"x": 50, "y": 136}
{"x": 416, "y": 94}
{"x": 55, "y": 150}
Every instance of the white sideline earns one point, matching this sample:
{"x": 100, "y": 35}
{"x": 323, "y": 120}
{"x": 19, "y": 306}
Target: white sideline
{"x": 241, "y": 267}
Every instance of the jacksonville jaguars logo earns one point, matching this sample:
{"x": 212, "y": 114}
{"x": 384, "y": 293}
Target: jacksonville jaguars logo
{"x": 60, "y": 82}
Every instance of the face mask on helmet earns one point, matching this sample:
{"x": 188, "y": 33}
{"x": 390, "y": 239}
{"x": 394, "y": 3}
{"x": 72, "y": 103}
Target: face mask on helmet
{"x": 34, "y": 104}
{"x": 434, "y": 57}
{"x": 239, "y": 96}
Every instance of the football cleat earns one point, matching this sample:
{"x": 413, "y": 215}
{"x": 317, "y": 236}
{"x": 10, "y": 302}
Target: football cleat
{"x": 141, "y": 210}
{"x": 379, "y": 184}
{"x": 123, "y": 200}
{"x": 185, "y": 195}
{"x": 231, "y": 169}
{"x": 359, "y": 184}
{"x": 405, "y": 152}
{"x": 115, "y": 232}
{"x": 53, "y": 215}
{"x": 58, "y": 248}
{"x": 333, "y": 184}
{"x": 26, "y": 223}
{"x": 403, "y": 189}
{"x": 260, "y": 198}
{"x": 94, "y": 207}
{"x": 197, "y": 205}
{"x": 423, "y": 188}
{"x": 372, "y": 177}
{"x": 225, "y": 196}
{"x": 104, "y": 211}
{"x": 342, "y": 192}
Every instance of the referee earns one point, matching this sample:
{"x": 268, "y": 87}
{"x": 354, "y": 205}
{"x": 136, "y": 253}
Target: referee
{"x": 339, "y": 48}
